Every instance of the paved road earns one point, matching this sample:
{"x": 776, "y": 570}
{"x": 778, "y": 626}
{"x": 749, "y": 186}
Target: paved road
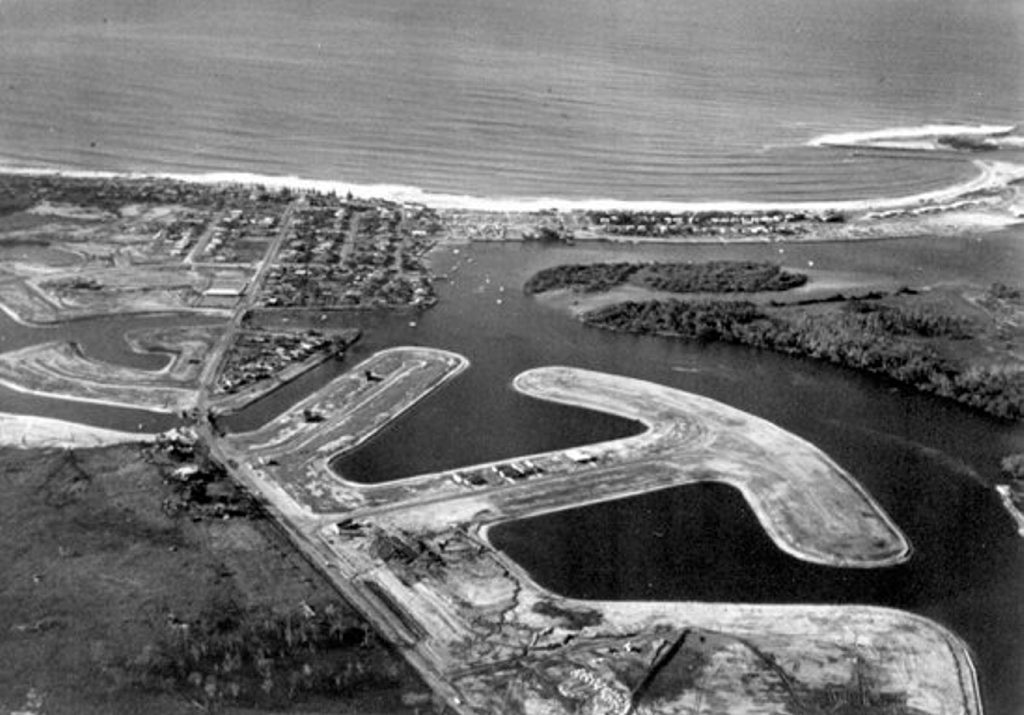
{"x": 218, "y": 352}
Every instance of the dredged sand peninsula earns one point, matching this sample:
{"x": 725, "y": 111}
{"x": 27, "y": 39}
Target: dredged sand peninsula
{"x": 414, "y": 557}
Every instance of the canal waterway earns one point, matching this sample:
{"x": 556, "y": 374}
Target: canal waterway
{"x": 929, "y": 462}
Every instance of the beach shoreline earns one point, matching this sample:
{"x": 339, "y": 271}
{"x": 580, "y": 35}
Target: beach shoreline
{"x": 991, "y": 175}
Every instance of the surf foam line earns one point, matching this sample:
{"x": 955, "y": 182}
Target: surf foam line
{"x": 992, "y": 176}
{"x": 911, "y": 137}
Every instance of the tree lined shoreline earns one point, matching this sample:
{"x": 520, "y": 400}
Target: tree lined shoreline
{"x": 710, "y": 277}
{"x": 936, "y": 346}
{"x": 867, "y": 336}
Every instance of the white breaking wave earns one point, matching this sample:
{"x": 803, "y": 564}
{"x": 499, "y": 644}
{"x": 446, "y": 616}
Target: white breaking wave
{"x": 991, "y": 175}
{"x": 924, "y": 137}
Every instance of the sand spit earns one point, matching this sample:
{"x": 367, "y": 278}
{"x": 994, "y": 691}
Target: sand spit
{"x": 31, "y": 432}
{"x": 926, "y": 135}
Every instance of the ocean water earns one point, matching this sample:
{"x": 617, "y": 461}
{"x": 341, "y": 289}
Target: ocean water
{"x": 633, "y": 99}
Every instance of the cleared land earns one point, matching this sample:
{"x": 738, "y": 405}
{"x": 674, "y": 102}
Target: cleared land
{"x": 61, "y": 369}
{"x": 413, "y": 556}
{"x": 340, "y": 416}
{"x": 185, "y": 346}
{"x": 83, "y": 293}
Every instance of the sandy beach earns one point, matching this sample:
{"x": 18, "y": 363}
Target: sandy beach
{"x": 991, "y": 176}
{"x": 32, "y": 432}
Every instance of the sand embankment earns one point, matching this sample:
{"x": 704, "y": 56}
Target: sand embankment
{"x": 32, "y": 432}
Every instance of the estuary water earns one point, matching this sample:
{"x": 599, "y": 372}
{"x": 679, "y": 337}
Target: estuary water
{"x": 632, "y": 100}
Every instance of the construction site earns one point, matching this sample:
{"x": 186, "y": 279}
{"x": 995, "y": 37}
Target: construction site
{"x": 413, "y": 556}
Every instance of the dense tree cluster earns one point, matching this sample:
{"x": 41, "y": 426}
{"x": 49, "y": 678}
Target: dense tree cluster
{"x": 879, "y": 340}
{"x": 718, "y": 277}
{"x": 581, "y": 277}
{"x": 259, "y": 658}
{"x": 878, "y": 318}
{"x": 1012, "y": 466}
{"x": 710, "y": 277}
{"x": 110, "y": 194}
{"x": 1001, "y": 298}
{"x": 1001, "y": 291}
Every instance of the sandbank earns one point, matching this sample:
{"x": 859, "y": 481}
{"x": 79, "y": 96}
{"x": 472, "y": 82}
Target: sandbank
{"x": 32, "y": 432}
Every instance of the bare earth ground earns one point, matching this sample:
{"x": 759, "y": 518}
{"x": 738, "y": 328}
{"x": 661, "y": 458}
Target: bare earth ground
{"x": 96, "y": 576}
{"x": 32, "y": 432}
{"x": 63, "y": 370}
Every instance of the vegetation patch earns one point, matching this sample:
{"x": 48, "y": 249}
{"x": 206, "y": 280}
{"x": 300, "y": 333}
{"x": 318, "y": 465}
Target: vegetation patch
{"x": 1012, "y": 470}
{"x": 261, "y": 658}
{"x": 710, "y": 277}
{"x": 905, "y": 343}
{"x": 574, "y": 618}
